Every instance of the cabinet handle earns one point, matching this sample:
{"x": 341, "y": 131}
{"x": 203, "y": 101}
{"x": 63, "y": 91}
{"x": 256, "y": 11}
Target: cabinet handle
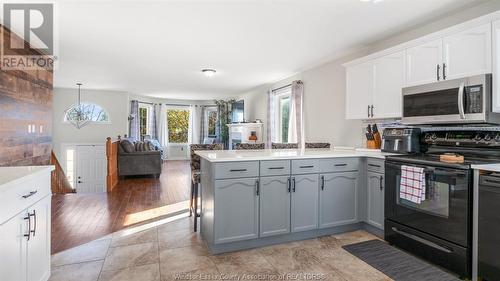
{"x": 306, "y": 167}
{"x": 289, "y": 184}
{"x": 368, "y": 114}
{"x": 340, "y": 165}
{"x": 444, "y": 71}
{"x": 34, "y": 222}
{"x": 257, "y": 187}
{"x": 437, "y": 72}
{"x": 373, "y": 165}
{"x": 372, "y": 111}
{"x": 30, "y": 194}
{"x": 238, "y": 170}
{"x": 322, "y": 182}
{"x": 276, "y": 168}
{"x": 29, "y": 227}
{"x": 293, "y": 184}
{"x": 381, "y": 182}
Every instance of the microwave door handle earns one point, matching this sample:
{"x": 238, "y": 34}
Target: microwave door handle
{"x": 461, "y": 100}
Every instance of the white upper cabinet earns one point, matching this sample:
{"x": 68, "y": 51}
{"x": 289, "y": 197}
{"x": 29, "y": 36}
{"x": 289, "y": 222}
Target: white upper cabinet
{"x": 359, "y": 88}
{"x": 389, "y": 79}
{"x": 423, "y": 63}
{"x": 496, "y": 65}
{"x": 467, "y": 53}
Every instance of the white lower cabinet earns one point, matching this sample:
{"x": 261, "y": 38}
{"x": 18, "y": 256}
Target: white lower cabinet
{"x": 39, "y": 243}
{"x": 338, "y": 197}
{"x": 304, "y": 207}
{"x": 274, "y": 205}
{"x": 25, "y": 238}
{"x": 237, "y": 209}
{"x": 375, "y": 186}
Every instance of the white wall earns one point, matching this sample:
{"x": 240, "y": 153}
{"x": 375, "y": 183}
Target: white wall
{"x": 115, "y": 103}
{"x": 324, "y": 86}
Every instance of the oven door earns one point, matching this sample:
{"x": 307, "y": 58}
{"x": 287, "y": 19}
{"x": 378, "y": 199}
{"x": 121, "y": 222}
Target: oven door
{"x": 452, "y": 101}
{"x": 444, "y": 213}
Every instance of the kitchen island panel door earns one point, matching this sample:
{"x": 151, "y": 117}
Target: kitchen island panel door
{"x": 304, "y": 208}
{"x": 274, "y": 206}
{"x": 236, "y": 210}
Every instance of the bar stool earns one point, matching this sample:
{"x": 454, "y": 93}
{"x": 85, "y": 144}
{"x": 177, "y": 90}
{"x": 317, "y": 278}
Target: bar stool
{"x": 250, "y": 146}
{"x": 317, "y": 145}
{"x": 196, "y": 177}
{"x": 275, "y": 145}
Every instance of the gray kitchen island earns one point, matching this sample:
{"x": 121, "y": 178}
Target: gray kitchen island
{"x": 262, "y": 197}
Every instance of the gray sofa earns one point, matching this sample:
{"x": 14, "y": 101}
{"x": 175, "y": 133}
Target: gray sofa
{"x": 134, "y": 163}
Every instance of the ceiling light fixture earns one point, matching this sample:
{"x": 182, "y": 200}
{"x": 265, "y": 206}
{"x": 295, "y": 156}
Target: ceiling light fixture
{"x": 208, "y": 72}
{"x": 80, "y": 113}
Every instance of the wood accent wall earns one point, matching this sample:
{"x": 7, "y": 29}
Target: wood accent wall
{"x": 25, "y": 102}
{"x": 112, "y": 163}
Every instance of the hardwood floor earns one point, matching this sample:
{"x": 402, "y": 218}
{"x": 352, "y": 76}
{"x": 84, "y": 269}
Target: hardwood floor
{"x": 80, "y": 218}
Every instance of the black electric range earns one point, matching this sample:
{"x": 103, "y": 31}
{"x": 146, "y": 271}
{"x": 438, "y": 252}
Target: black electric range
{"x": 439, "y": 229}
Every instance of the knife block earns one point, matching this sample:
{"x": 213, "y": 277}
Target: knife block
{"x": 376, "y": 143}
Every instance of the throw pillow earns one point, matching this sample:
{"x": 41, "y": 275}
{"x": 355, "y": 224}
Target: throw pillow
{"x": 127, "y": 146}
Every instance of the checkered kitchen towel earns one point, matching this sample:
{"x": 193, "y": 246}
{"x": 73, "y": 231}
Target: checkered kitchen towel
{"x": 412, "y": 186}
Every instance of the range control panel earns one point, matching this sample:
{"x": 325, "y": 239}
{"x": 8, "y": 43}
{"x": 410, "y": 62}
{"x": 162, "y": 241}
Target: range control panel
{"x": 457, "y": 138}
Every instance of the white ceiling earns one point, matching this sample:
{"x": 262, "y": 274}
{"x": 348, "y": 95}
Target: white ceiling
{"x": 158, "y": 48}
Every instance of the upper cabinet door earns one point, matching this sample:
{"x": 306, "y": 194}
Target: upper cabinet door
{"x": 359, "y": 90}
{"x": 423, "y": 63}
{"x": 496, "y": 65}
{"x": 389, "y": 79}
{"x": 467, "y": 53}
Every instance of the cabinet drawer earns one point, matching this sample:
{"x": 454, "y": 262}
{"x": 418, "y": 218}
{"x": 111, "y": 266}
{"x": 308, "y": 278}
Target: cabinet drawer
{"x": 274, "y": 168}
{"x": 338, "y": 165}
{"x": 24, "y": 195}
{"x": 306, "y": 166}
{"x": 375, "y": 165}
{"x": 231, "y": 170}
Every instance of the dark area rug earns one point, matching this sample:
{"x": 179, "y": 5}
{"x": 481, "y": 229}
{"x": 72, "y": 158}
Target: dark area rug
{"x": 396, "y": 264}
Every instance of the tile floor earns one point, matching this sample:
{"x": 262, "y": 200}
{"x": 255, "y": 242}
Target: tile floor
{"x": 170, "y": 250}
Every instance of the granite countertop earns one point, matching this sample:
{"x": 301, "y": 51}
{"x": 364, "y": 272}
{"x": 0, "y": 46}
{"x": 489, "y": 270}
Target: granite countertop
{"x": 487, "y": 167}
{"x": 12, "y": 176}
{"x": 277, "y": 154}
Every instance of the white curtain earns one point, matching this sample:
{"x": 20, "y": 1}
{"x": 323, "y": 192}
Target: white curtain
{"x": 271, "y": 131}
{"x": 296, "y": 122}
{"x": 195, "y": 114}
{"x": 163, "y": 126}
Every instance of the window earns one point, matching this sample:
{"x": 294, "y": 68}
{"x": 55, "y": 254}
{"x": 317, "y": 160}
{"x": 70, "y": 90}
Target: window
{"x": 211, "y": 122}
{"x": 144, "y": 119}
{"x": 97, "y": 114}
{"x": 178, "y": 125}
{"x": 282, "y": 114}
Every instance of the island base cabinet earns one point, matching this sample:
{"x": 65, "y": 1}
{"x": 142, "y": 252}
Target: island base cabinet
{"x": 338, "y": 199}
{"x": 304, "y": 208}
{"x": 375, "y": 199}
{"x": 39, "y": 243}
{"x": 13, "y": 246}
{"x": 26, "y": 257}
{"x": 236, "y": 210}
{"x": 274, "y": 206}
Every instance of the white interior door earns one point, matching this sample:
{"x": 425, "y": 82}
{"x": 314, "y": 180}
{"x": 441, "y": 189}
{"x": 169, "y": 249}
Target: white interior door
{"x": 423, "y": 63}
{"x": 90, "y": 168}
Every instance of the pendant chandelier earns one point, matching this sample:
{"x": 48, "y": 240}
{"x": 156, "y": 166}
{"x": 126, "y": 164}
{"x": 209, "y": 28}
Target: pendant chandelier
{"x": 78, "y": 115}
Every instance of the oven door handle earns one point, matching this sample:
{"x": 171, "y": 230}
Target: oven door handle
{"x": 461, "y": 110}
{"x": 422, "y": 240}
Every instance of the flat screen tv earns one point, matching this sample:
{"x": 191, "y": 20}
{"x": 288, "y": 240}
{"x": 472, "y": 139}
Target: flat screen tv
{"x": 238, "y": 112}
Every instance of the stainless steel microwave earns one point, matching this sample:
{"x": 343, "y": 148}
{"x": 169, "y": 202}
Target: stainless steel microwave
{"x": 458, "y": 101}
